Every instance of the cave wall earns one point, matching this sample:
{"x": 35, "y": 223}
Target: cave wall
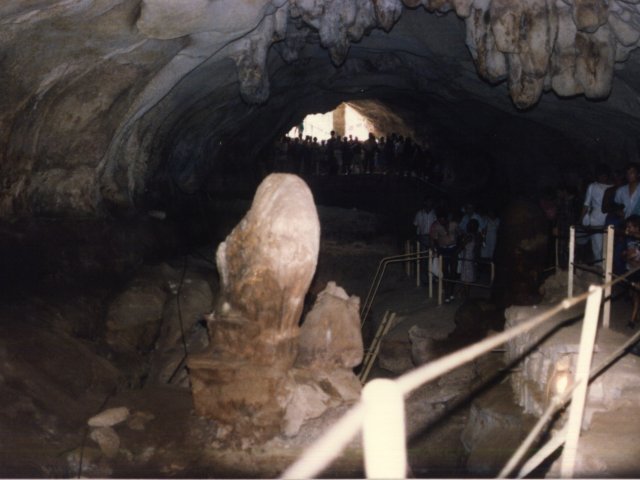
{"x": 105, "y": 103}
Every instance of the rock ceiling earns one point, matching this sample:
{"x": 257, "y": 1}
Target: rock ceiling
{"x": 104, "y": 99}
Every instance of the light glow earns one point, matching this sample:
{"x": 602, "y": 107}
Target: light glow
{"x": 319, "y": 125}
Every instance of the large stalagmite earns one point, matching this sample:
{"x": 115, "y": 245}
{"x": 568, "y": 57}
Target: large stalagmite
{"x": 246, "y": 381}
{"x": 266, "y": 265}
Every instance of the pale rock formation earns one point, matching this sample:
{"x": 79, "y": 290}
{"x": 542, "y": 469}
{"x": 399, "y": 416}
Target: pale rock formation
{"x": 266, "y": 265}
{"x": 262, "y": 374}
{"x": 307, "y": 401}
{"x": 330, "y": 346}
{"x": 330, "y": 335}
{"x": 568, "y": 47}
{"x": 107, "y": 439}
{"x": 109, "y": 417}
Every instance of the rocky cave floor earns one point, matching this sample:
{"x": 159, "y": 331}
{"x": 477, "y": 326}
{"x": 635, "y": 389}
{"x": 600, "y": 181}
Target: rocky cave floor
{"x": 56, "y": 374}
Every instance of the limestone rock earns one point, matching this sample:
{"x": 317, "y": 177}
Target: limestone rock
{"x": 490, "y": 62}
{"x": 166, "y": 19}
{"x": 308, "y": 401}
{"x": 317, "y": 390}
{"x": 589, "y": 15}
{"x": 249, "y": 398}
{"x": 181, "y": 316}
{"x": 431, "y": 393}
{"x": 196, "y": 300}
{"x": 139, "y": 420}
{"x": 168, "y": 364}
{"x": 134, "y": 317}
{"x": 107, "y": 439}
{"x": 330, "y": 335}
{"x": 423, "y": 348}
{"x": 594, "y": 62}
{"x": 343, "y": 383}
{"x": 395, "y": 355}
{"x": 109, "y": 417}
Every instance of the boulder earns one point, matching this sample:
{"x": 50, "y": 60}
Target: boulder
{"x": 330, "y": 335}
{"x": 107, "y": 439}
{"x": 109, "y": 417}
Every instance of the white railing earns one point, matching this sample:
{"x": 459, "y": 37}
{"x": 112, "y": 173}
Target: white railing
{"x": 385, "y": 444}
{"x": 417, "y": 256}
{"x": 606, "y": 273}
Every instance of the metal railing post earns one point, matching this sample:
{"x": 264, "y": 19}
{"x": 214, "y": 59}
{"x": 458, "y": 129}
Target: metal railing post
{"x": 383, "y": 430}
{"x": 581, "y": 379}
{"x": 387, "y": 322}
{"x": 608, "y": 274}
{"x": 557, "y": 253}
{"x": 572, "y": 248}
{"x": 430, "y": 270}
{"x": 407, "y": 264}
{"x": 440, "y": 279}
{"x": 493, "y": 272}
{"x": 326, "y": 448}
{"x": 418, "y": 264}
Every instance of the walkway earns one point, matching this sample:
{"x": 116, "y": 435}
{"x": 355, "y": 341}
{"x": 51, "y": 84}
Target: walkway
{"x": 609, "y": 448}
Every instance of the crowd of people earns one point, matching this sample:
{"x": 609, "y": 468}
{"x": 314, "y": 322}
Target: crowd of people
{"x": 349, "y": 155}
{"x": 611, "y": 198}
{"x": 465, "y": 238}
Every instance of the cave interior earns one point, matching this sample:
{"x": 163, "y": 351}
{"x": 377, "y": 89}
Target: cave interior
{"x": 134, "y": 134}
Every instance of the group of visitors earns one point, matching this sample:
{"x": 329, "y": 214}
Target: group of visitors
{"x": 613, "y": 198}
{"x": 626, "y": 205}
{"x": 461, "y": 236}
{"x": 349, "y": 155}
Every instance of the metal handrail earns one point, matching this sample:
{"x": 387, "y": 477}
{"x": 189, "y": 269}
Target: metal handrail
{"x": 410, "y": 257}
{"x": 319, "y": 454}
{"x": 377, "y": 279}
{"x": 329, "y": 446}
{"x": 557, "y": 403}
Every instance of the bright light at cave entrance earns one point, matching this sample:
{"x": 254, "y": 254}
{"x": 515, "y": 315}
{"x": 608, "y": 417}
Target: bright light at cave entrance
{"x": 320, "y": 125}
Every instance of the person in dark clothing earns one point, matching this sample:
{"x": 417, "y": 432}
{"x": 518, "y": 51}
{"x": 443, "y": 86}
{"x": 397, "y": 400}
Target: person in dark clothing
{"x": 370, "y": 148}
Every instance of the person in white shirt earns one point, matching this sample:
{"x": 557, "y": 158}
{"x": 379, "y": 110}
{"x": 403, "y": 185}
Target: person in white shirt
{"x": 423, "y": 221}
{"x": 592, "y": 215}
{"x": 628, "y": 195}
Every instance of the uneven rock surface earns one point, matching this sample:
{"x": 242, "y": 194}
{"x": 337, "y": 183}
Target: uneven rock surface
{"x": 164, "y": 93}
{"x": 59, "y": 374}
{"x": 609, "y": 396}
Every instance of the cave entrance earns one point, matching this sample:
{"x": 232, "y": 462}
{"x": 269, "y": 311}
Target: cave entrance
{"x": 344, "y": 120}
